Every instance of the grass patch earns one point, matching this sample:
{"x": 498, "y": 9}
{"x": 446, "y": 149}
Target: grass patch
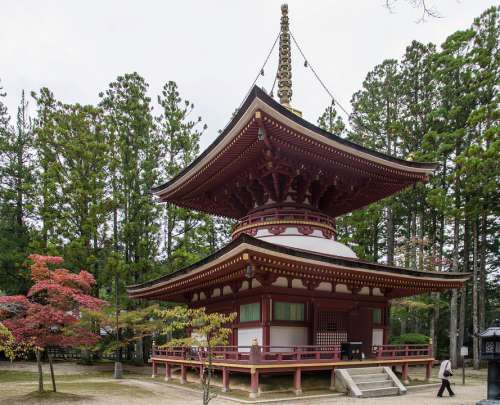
{"x": 45, "y": 397}
{"x": 27, "y": 376}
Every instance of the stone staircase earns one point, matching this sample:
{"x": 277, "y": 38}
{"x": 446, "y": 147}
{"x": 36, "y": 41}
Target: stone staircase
{"x": 368, "y": 382}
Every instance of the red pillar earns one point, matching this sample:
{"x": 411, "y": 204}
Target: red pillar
{"x": 428, "y": 371}
{"x": 405, "y": 373}
{"x": 266, "y": 322}
{"x": 254, "y": 383}
{"x": 155, "y": 369}
{"x": 297, "y": 381}
{"x": 332, "y": 380}
{"x": 183, "y": 374}
{"x": 225, "y": 380}
{"x": 168, "y": 372}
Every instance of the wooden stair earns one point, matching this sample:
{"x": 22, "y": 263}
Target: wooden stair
{"x": 368, "y": 382}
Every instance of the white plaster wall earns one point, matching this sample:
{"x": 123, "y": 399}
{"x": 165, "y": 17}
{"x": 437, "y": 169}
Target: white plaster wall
{"x": 281, "y": 282}
{"x": 227, "y": 290}
{"x": 324, "y": 286}
{"x": 342, "y": 288}
{"x": 297, "y": 283}
{"x": 288, "y": 336}
{"x": 246, "y": 335}
{"x": 364, "y": 291}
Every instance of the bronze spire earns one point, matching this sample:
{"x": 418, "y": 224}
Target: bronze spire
{"x": 285, "y": 64}
{"x": 285, "y": 61}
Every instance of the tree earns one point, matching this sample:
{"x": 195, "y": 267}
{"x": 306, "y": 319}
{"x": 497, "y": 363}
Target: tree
{"x": 7, "y": 342}
{"x": 207, "y": 331}
{"x": 48, "y": 315}
{"x": 17, "y": 185}
{"x": 136, "y": 325}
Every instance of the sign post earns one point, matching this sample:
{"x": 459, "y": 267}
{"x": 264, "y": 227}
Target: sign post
{"x": 464, "y": 351}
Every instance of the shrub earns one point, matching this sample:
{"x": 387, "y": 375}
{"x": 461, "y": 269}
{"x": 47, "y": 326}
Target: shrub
{"x": 410, "y": 339}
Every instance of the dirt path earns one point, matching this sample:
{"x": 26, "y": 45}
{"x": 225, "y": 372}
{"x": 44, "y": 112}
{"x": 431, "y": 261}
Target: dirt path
{"x": 84, "y": 385}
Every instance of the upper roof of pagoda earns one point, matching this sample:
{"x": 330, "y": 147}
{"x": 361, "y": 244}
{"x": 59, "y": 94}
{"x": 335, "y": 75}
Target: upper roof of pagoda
{"x": 267, "y": 152}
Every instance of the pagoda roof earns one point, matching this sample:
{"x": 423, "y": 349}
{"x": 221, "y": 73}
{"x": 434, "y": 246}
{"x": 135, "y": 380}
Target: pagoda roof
{"x": 228, "y": 265}
{"x": 214, "y": 179}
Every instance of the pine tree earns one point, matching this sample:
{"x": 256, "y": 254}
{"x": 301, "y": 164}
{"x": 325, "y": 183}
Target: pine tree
{"x": 16, "y": 197}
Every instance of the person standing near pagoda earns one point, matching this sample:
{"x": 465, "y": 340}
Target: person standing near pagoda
{"x": 445, "y": 373}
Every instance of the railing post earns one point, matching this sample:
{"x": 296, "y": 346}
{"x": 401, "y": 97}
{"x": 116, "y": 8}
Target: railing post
{"x": 168, "y": 371}
{"x": 428, "y": 371}
{"x": 405, "y": 373}
{"x": 225, "y": 379}
{"x": 332, "y": 380}
{"x": 155, "y": 369}
{"x": 183, "y": 374}
{"x": 254, "y": 383}
{"x": 297, "y": 381}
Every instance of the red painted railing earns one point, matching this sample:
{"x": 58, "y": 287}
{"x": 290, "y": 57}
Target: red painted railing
{"x": 284, "y": 354}
{"x": 401, "y": 351}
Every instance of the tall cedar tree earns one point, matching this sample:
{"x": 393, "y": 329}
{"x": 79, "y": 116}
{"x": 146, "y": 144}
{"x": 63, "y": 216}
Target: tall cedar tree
{"x": 16, "y": 197}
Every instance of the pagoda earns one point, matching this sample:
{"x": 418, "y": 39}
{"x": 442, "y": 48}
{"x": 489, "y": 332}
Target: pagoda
{"x": 290, "y": 281}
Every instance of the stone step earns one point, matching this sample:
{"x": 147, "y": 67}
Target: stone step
{"x": 380, "y": 392}
{"x": 370, "y": 377}
{"x": 364, "y": 370}
{"x": 368, "y": 385}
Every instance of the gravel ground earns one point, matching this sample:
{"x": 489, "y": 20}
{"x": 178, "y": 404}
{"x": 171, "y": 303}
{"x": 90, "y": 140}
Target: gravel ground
{"x": 90, "y": 385}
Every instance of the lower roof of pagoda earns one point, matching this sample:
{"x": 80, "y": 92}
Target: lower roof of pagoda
{"x": 226, "y": 268}
{"x": 268, "y": 154}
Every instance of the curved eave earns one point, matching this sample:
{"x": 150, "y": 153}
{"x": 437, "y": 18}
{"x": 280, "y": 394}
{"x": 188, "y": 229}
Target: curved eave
{"x": 245, "y": 243}
{"x": 258, "y": 99}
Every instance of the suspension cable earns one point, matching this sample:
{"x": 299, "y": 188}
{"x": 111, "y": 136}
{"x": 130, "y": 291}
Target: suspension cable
{"x": 308, "y": 64}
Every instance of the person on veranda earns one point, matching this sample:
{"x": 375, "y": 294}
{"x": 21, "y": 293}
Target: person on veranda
{"x": 445, "y": 373}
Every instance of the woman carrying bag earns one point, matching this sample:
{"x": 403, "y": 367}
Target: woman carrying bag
{"x": 445, "y": 374}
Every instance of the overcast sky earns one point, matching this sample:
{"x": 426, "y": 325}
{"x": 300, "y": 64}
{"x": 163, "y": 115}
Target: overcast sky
{"x": 212, "y": 49}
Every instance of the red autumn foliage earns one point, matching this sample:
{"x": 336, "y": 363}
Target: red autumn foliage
{"x": 48, "y": 315}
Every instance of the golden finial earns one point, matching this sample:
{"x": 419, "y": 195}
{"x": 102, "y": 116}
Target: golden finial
{"x": 285, "y": 61}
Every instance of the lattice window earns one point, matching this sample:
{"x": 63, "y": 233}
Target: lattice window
{"x": 331, "y": 328}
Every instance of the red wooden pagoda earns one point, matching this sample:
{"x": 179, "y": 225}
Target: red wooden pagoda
{"x": 297, "y": 290}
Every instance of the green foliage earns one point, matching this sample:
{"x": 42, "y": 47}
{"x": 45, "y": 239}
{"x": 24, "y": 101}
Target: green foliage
{"x": 7, "y": 342}
{"x": 133, "y": 325}
{"x": 410, "y": 339}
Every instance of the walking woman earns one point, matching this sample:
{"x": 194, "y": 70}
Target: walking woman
{"x": 445, "y": 374}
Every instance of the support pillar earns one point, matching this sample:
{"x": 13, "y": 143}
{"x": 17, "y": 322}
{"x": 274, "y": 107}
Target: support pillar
{"x": 225, "y": 380}
{"x": 332, "y": 380}
{"x": 254, "y": 383}
{"x": 168, "y": 372}
{"x": 428, "y": 371}
{"x": 183, "y": 374}
{"x": 155, "y": 369}
{"x": 405, "y": 373}
{"x": 297, "y": 381}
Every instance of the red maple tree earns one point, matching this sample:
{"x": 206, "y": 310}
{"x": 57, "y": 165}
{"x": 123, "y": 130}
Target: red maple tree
{"x": 49, "y": 313}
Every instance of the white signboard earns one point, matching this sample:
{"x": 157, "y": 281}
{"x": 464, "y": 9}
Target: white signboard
{"x": 464, "y": 351}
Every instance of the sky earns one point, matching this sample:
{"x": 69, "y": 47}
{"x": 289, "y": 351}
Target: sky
{"x": 213, "y": 49}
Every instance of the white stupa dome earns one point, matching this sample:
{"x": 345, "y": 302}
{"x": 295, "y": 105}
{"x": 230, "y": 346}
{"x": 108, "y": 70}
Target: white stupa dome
{"x": 315, "y": 242}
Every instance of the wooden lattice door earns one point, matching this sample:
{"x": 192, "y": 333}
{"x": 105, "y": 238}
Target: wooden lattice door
{"x": 331, "y": 328}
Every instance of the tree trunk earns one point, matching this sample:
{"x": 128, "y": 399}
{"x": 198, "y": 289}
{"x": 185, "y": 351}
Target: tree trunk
{"x": 390, "y": 236}
{"x": 421, "y": 240}
{"x": 413, "y": 238}
{"x": 454, "y": 298}
{"x": 52, "y": 377}
{"x": 482, "y": 273}
{"x": 475, "y": 320}
{"x": 40, "y": 370}
{"x": 463, "y": 292}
